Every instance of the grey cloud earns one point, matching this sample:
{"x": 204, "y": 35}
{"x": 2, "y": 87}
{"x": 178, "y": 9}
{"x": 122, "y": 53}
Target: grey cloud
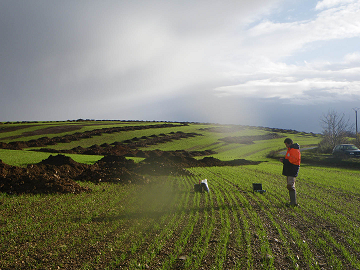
{"x": 118, "y": 59}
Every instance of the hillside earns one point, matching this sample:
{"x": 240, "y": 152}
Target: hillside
{"x": 120, "y": 195}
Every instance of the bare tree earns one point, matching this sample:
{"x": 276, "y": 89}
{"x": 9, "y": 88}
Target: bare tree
{"x": 335, "y": 128}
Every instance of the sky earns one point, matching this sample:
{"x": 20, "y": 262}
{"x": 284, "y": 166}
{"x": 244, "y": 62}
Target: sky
{"x": 270, "y": 63}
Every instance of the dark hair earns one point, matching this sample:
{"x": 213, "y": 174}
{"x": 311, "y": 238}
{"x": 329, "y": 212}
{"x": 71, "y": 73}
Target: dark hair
{"x": 288, "y": 141}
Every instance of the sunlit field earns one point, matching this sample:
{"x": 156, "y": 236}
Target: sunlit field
{"x": 164, "y": 224}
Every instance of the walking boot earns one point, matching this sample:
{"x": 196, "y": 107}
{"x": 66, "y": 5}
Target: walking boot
{"x": 292, "y": 194}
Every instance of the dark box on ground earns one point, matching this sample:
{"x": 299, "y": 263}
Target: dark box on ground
{"x": 257, "y": 187}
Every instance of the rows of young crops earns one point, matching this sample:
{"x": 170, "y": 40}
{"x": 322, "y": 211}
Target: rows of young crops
{"x": 23, "y": 131}
{"x": 303, "y": 232}
{"x": 165, "y": 225}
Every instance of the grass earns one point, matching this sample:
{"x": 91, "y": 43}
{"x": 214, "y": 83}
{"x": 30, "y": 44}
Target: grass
{"x": 38, "y": 126}
{"x": 164, "y": 225}
{"x": 22, "y": 158}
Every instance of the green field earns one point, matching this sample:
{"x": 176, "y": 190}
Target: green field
{"x": 165, "y": 225}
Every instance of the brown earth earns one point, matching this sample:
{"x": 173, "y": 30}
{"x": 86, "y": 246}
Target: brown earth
{"x": 40, "y": 178}
{"x": 47, "y": 130}
{"x": 9, "y": 129}
{"x": 239, "y": 128}
{"x": 129, "y": 147}
{"x": 44, "y": 141}
{"x": 57, "y": 174}
{"x": 251, "y": 139}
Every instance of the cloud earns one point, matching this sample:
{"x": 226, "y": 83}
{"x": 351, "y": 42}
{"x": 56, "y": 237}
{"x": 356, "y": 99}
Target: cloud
{"x": 352, "y": 58}
{"x": 114, "y": 49}
{"x": 118, "y": 59}
{"x": 286, "y": 38}
{"x": 331, "y": 3}
{"x": 312, "y": 83}
{"x": 306, "y": 91}
{"x": 263, "y": 75}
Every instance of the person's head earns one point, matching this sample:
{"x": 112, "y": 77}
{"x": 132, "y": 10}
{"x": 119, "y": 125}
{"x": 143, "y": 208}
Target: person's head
{"x": 288, "y": 142}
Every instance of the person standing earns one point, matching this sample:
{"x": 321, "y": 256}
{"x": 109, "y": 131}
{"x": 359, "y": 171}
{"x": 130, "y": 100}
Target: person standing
{"x": 291, "y": 165}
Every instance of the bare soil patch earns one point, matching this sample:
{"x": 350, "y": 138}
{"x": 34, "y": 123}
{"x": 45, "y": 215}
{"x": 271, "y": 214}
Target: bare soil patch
{"x": 251, "y": 139}
{"x": 224, "y": 129}
{"x": 57, "y": 174}
{"x": 130, "y": 147}
{"x": 47, "y": 130}
{"x": 44, "y": 141}
{"x": 14, "y": 128}
{"x": 37, "y": 179}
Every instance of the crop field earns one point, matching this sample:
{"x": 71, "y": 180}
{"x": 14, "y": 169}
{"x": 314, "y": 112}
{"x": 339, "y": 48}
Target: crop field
{"x": 124, "y": 199}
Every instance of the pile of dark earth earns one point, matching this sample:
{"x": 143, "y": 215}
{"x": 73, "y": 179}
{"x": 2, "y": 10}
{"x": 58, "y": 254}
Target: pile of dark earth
{"x": 61, "y": 174}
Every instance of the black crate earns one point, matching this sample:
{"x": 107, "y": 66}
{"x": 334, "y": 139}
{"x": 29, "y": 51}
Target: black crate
{"x": 257, "y": 187}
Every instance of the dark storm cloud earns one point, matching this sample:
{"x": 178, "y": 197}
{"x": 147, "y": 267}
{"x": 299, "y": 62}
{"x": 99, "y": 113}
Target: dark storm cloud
{"x": 72, "y": 54}
{"x": 121, "y": 59}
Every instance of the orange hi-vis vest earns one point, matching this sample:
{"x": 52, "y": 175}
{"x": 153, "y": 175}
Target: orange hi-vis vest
{"x": 294, "y": 156}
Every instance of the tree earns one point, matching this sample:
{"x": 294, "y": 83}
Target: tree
{"x": 335, "y": 130}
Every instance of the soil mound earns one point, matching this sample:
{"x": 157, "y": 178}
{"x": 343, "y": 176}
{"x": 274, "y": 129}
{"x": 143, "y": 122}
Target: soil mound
{"x": 251, "y": 139}
{"x": 116, "y": 169}
{"x": 169, "y": 164}
{"x": 16, "y": 180}
{"x": 115, "y": 159}
{"x": 57, "y": 174}
{"x": 59, "y": 160}
{"x": 113, "y": 174}
{"x": 43, "y": 141}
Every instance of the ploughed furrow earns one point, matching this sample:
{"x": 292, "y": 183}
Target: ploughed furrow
{"x": 210, "y": 257}
{"x": 200, "y": 242}
{"x": 299, "y": 226}
{"x": 85, "y": 235}
{"x": 154, "y": 244}
{"x": 260, "y": 252}
{"x": 171, "y": 249}
{"x": 290, "y": 232}
{"x": 166, "y": 225}
{"x": 133, "y": 236}
{"x": 247, "y": 249}
{"x": 135, "y": 225}
{"x": 196, "y": 247}
{"x": 241, "y": 232}
{"x": 238, "y": 249}
{"x": 339, "y": 203}
{"x": 325, "y": 207}
{"x": 44, "y": 141}
{"x": 177, "y": 257}
{"x": 224, "y": 225}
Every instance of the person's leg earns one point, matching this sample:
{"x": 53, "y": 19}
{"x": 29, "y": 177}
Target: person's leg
{"x": 292, "y": 191}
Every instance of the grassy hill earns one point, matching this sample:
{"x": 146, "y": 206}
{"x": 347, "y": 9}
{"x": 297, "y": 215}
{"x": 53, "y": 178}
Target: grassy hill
{"x": 161, "y": 223}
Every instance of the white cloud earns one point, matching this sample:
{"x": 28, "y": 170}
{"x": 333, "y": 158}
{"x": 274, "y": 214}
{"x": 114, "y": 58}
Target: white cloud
{"x": 306, "y": 91}
{"x": 122, "y": 56}
{"x": 331, "y": 3}
{"x": 352, "y": 58}
{"x": 261, "y": 74}
{"x": 286, "y": 38}
{"x": 151, "y": 48}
